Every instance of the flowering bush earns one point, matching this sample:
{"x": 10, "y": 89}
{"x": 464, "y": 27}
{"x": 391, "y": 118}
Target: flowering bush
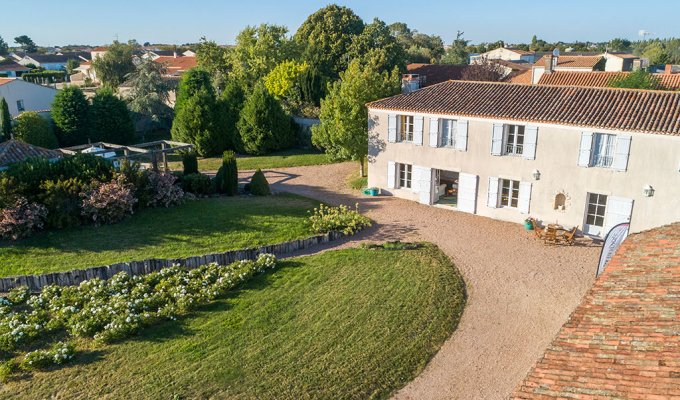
{"x": 110, "y": 202}
{"x": 341, "y": 219}
{"x": 21, "y": 219}
{"x": 60, "y": 353}
{"x": 163, "y": 190}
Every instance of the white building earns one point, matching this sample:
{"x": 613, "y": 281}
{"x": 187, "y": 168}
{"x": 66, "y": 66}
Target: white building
{"x": 25, "y": 96}
{"x": 505, "y": 53}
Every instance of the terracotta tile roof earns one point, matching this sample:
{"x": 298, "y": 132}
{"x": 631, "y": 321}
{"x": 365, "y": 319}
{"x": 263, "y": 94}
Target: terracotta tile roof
{"x": 175, "y": 65}
{"x": 13, "y": 151}
{"x": 623, "y": 341}
{"x": 6, "y": 80}
{"x": 9, "y": 65}
{"x": 519, "y": 51}
{"x": 599, "y": 79}
{"x": 436, "y": 73}
{"x": 623, "y": 55}
{"x": 521, "y": 77}
{"x": 513, "y": 64}
{"x": 100, "y": 48}
{"x": 625, "y": 109}
{"x": 572, "y": 61}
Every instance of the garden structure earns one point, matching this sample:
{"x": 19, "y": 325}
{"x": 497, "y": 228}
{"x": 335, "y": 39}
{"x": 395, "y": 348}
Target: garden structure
{"x": 151, "y": 152}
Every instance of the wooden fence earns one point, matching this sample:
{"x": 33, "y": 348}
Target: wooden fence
{"x": 75, "y": 277}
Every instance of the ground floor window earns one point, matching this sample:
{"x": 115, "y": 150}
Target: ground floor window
{"x": 597, "y": 203}
{"x": 405, "y": 175}
{"x": 509, "y": 193}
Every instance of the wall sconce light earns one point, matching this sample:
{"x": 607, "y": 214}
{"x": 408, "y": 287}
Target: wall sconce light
{"x": 648, "y": 191}
{"x": 537, "y": 174}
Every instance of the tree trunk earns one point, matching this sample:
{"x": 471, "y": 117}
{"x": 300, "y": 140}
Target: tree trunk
{"x": 362, "y": 170}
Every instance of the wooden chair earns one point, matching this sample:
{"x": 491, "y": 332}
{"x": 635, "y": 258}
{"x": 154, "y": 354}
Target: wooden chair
{"x": 569, "y": 237}
{"x": 537, "y": 231}
{"x": 550, "y": 236}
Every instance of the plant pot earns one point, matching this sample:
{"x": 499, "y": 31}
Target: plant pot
{"x": 528, "y": 225}
{"x": 373, "y": 191}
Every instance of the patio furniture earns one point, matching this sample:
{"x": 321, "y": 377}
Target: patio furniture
{"x": 569, "y": 237}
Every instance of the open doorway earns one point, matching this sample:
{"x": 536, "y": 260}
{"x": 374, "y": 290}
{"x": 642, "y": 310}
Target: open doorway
{"x": 446, "y": 187}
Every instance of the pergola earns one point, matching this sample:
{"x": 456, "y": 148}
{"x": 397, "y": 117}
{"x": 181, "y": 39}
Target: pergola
{"x": 152, "y": 152}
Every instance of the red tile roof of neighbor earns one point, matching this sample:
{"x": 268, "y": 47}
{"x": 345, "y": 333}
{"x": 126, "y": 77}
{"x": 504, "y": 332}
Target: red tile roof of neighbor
{"x": 572, "y": 61}
{"x": 650, "y": 111}
{"x": 599, "y": 79}
{"x": 623, "y": 341}
{"x": 13, "y": 151}
{"x": 177, "y": 64}
{"x": 436, "y": 73}
{"x": 521, "y": 77}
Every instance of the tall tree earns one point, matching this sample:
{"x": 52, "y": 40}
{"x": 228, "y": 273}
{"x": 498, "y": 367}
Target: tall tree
{"x": 110, "y": 119}
{"x": 343, "y": 131}
{"x": 215, "y": 60}
{"x": 229, "y": 106}
{"x": 457, "y": 53}
{"x": 148, "y": 97}
{"x": 26, "y": 43}
{"x": 263, "y": 125}
{"x": 377, "y": 36}
{"x": 419, "y": 47}
{"x": 71, "y": 116}
{"x": 71, "y": 65}
{"x": 5, "y": 120}
{"x": 195, "y": 123}
{"x": 114, "y": 65}
{"x": 619, "y": 44}
{"x": 4, "y": 48}
{"x": 192, "y": 82}
{"x": 31, "y": 128}
{"x": 326, "y": 36}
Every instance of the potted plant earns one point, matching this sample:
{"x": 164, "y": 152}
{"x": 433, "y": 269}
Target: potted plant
{"x": 529, "y": 224}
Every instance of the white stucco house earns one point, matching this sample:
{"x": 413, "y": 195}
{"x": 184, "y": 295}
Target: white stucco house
{"x": 576, "y": 156}
{"x": 25, "y": 96}
{"x": 505, "y": 53}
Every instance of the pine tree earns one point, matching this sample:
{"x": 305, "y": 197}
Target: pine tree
{"x": 226, "y": 180}
{"x": 111, "y": 121}
{"x": 70, "y": 112}
{"x": 195, "y": 123}
{"x": 263, "y": 125}
{"x": 5, "y": 120}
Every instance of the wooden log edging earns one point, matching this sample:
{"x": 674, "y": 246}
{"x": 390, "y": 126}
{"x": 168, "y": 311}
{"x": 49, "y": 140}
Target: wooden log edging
{"x": 76, "y": 276}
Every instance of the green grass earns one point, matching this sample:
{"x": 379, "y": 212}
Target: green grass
{"x": 194, "y": 228}
{"x": 348, "y": 324}
{"x": 282, "y": 159}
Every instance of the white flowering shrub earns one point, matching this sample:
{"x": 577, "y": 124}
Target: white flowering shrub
{"x": 114, "y": 309}
{"x": 343, "y": 219}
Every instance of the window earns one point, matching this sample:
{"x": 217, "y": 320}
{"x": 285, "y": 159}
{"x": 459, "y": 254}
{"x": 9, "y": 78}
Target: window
{"x": 514, "y": 139}
{"x": 448, "y": 131}
{"x": 603, "y": 150}
{"x": 406, "y": 128}
{"x": 509, "y": 193}
{"x": 596, "y": 209}
{"x": 20, "y": 106}
{"x": 405, "y": 175}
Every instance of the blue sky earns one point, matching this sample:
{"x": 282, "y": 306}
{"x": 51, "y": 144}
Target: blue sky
{"x": 169, "y": 21}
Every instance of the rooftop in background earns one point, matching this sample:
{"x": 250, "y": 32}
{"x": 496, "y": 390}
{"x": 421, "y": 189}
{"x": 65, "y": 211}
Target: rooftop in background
{"x": 10, "y": 65}
{"x": 569, "y": 61}
{"x": 623, "y": 341}
{"x": 436, "y": 73}
{"x": 177, "y": 65}
{"x": 4, "y": 81}
{"x": 13, "y": 151}
{"x": 621, "y": 109}
{"x": 599, "y": 79}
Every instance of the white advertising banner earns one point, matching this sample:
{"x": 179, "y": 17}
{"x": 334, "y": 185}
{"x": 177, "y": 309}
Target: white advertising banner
{"x": 614, "y": 238}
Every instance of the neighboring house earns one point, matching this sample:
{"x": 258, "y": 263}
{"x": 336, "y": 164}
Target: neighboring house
{"x": 424, "y": 75}
{"x": 505, "y": 53}
{"x": 14, "y": 151}
{"x": 618, "y": 62}
{"x": 623, "y": 340}
{"x": 600, "y": 79}
{"x": 11, "y": 69}
{"x": 98, "y": 52}
{"x": 25, "y": 96}
{"x": 85, "y": 71}
{"x": 51, "y": 62}
{"x": 550, "y": 63}
{"x": 176, "y": 65}
{"x": 591, "y": 157}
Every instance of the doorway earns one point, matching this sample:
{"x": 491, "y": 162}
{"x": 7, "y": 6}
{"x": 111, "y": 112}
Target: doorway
{"x": 446, "y": 187}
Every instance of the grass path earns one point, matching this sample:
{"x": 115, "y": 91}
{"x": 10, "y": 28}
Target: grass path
{"x": 194, "y": 228}
{"x": 281, "y": 159}
{"x": 344, "y": 324}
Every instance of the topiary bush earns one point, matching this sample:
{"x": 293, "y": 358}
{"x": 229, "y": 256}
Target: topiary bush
{"x": 197, "y": 183}
{"x": 190, "y": 162}
{"x": 226, "y": 180}
{"x": 258, "y": 184}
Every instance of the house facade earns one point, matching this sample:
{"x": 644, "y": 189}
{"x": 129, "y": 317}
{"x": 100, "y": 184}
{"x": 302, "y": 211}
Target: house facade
{"x": 506, "y": 152}
{"x": 25, "y": 96}
{"x": 505, "y": 53}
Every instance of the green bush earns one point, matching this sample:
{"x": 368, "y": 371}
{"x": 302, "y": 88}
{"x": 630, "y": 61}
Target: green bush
{"x": 60, "y": 353}
{"x": 258, "y": 184}
{"x": 31, "y": 128}
{"x": 139, "y": 178}
{"x": 70, "y": 112}
{"x": 190, "y": 162}
{"x": 62, "y": 200}
{"x": 226, "y": 180}
{"x": 110, "y": 119}
{"x": 343, "y": 219}
{"x": 197, "y": 183}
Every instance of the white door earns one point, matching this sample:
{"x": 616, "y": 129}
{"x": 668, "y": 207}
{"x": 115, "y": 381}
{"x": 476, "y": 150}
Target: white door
{"x": 425, "y": 185}
{"x": 619, "y": 210}
{"x": 467, "y": 192}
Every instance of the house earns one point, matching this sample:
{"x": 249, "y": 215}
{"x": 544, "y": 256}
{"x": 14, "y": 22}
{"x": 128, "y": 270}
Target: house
{"x": 550, "y": 63}
{"x": 600, "y": 79}
{"x": 586, "y": 157}
{"x": 505, "y": 53}
{"x": 176, "y": 65}
{"x": 11, "y": 69}
{"x": 419, "y": 75}
{"x": 25, "y": 96}
{"x": 623, "y": 340}
{"x": 14, "y": 151}
{"x": 51, "y": 62}
{"x": 618, "y": 62}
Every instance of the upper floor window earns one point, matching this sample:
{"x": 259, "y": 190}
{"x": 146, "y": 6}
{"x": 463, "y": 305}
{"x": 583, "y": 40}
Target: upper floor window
{"x": 603, "y": 150}
{"x": 406, "y": 128}
{"x": 448, "y": 132}
{"x": 514, "y": 139}
{"x": 20, "y": 106}
{"x": 405, "y": 171}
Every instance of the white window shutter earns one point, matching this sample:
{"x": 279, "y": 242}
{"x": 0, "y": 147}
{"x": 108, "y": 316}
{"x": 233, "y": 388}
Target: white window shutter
{"x": 392, "y": 174}
{"x": 530, "y": 138}
{"x": 497, "y": 140}
{"x": 425, "y": 185}
{"x": 619, "y": 210}
{"x": 524, "y": 197}
{"x": 434, "y": 132}
{"x": 492, "y": 194}
{"x": 391, "y": 128}
{"x": 461, "y": 135}
{"x": 585, "y": 150}
{"x": 467, "y": 193}
{"x": 415, "y": 179}
{"x": 621, "y": 152}
{"x": 418, "y": 121}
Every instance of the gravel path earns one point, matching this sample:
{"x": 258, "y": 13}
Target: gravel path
{"x": 520, "y": 291}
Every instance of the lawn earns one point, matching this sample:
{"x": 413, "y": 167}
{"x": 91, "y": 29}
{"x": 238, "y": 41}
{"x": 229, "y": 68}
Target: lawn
{"x": 194, "y": 228}
{"x": 282, "y": 159}
{"x": 344, "y": 324}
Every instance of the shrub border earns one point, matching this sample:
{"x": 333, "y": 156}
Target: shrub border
{"x": 76, "y": 276}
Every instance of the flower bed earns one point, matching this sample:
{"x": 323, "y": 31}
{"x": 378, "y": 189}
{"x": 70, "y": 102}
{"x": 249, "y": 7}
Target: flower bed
{"x": 110, "y": 310}
{"x": 343, "y": 219}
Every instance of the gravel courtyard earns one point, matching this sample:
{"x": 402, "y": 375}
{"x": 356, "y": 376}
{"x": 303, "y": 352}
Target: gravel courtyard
{"x": 520, "y": 291}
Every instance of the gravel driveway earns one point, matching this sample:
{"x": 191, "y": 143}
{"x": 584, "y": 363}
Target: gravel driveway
{"x": 520, "y": 291}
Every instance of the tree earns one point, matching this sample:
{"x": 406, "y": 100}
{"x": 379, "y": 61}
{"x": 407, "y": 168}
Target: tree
{"x": 258, "y": 185}
{"x": 484, "y": 71}
{"x": 114, "y": 65}
{"x": 71, "y": 65}
{"x": 110, "y": 119}
{"x": 192, "y": 82}
{"x": 457, "y": 53}
{"x": 343, "y": 131}
{"x": 31, "y": 128}
{"x": 71, "y": 116}
{"x": 419, "y": 47}
{"x": 5, "y": 120}
{"x": 229, "y": 106}
{"x": 195, "y": 123}
{"x": 226, "y": 179}
{"x": 148, "y": 96}
{"x": 283, "y": 82}
{"x": 656, "y": 53}
{"x": 639, "y": 79}
{"x": 263, "y": 125}
{"x": 326, "y": 36}
{"x": 619, "y": 45}
{"x": 4, "y": 48}
{"x": 312, "y": 86}
{"x": 215, "y": 60}
{"x": 26, "y": 43}
{"x": 376, "y": 36}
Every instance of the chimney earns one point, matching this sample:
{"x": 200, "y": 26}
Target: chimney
{"x": 637, "y": 64}
{"x": 668, "y": 70}
{"x": 549, "y": 63}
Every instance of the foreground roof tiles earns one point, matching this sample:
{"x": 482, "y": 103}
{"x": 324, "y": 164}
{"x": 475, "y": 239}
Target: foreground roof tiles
{"x": 622, "y": 109}
{"x": 623, "y": 341}
{"x": 599, "y": 79}
{"x": 13, "y": 151}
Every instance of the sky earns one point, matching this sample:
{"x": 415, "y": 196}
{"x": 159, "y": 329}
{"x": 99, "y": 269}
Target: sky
{"x": 97, "y": 22}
